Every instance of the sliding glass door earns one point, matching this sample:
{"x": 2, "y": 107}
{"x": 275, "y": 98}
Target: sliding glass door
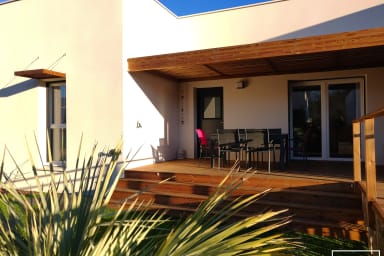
{"x": 306, "y": 120}
{"x": 343, "y": 107}
{"x": 321, "y": 115}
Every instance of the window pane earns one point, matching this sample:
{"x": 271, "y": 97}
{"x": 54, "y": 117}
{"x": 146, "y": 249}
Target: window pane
{"x": 57, "y": 121}
{"x": 58, "y": 105}
{"x": 343, "y": 109}
{"x": 212, "y": 107}
{"x": 306, "y": 110}
{"x": 59, "y": 144}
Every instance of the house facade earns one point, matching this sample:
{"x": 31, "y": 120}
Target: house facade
{"x": 107, "y": 70}
{"x": 301, "y": 66}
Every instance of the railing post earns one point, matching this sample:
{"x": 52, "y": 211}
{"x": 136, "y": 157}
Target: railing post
{"x": 370, "y": 158}
{"x": 356, "y": 152}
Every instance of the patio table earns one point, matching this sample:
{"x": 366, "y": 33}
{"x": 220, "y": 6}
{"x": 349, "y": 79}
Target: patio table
{"x": 281, "y": 138}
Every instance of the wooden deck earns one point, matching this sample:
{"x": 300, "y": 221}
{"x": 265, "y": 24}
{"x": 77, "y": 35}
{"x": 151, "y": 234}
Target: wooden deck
{"x": 334, "y": 208}
{"x": 342, "y": 171}
{"x": 318, "y": 170}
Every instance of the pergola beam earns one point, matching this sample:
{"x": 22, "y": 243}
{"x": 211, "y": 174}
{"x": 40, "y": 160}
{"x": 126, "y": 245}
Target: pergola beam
{"x": 290, "y": 47}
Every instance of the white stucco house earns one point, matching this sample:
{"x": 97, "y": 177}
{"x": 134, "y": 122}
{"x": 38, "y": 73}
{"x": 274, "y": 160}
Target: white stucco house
{"x": 131, "y": 69}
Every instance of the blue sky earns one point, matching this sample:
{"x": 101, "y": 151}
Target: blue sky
{"x": 3, "y": 1}
{"x": 189, "y": 7}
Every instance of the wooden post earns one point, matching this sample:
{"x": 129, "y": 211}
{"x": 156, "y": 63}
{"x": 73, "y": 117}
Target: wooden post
{"x": 370, "y": 161}
{"x": 356, "y": 152}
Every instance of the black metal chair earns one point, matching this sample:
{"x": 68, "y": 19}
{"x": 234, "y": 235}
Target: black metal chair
{"x": 275, "y": 141}
{"x": 258, "y": 142}
{"x": 242, "y": 140}
{"x": 227, "y": 144}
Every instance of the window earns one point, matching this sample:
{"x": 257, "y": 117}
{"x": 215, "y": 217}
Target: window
{"x": 212, "y": 107}
{"x": 56, "y": 106}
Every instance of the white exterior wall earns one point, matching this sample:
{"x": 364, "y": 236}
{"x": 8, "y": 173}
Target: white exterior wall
{"x": 156, "y": 31}
{"x": 151, "y": 131}
{"x": 37, "y": 33}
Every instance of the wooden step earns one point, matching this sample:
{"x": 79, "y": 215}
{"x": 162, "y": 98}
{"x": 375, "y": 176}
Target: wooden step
{"x": 358, "y": 226}
{"x": 318, "y": 190}
{"x": 257, "y": 180}
{"x": 315, "y": 204}
{"x": 317, "y": 198}
{"x": 309, "y": 210}
{"x": 181, "y": 186}
{"x": 340, "y": 229}
{"x": 277, "y": 194}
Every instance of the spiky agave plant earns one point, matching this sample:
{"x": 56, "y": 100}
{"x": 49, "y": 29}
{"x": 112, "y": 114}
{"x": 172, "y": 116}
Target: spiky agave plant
{"x": 69, "y": 218}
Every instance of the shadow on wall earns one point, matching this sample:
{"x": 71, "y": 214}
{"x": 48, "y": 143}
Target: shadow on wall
{"x": 18, "y": 88}
{"x": 162, "y": 153}
{"x": 369, "y": 18}
{"x": 163, "y": 95}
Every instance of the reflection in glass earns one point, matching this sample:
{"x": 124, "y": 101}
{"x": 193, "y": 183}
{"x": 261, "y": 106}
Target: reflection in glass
{"x": 57, "y": 122}
{"x": 212, "y": 107}
{"x": 343, "y": 109}
{"x": 306, "y": 120}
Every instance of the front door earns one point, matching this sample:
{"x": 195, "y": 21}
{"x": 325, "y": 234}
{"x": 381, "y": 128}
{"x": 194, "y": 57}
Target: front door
{"x": 210, "y": 109}
{"x": 321, "y": 115}
{"x": 209, "y": 103}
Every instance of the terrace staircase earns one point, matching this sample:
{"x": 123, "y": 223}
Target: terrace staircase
{"x": 318, "y": 206}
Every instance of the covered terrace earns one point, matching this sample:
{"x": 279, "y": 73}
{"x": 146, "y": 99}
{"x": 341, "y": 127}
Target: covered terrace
{"x": 329, "y": 52}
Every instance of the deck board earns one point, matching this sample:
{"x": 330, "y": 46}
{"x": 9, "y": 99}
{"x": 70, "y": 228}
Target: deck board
{"x": 309, "y": 170}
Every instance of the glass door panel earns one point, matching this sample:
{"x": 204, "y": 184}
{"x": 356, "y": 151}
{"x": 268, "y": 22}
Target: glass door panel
{"x": 343, "y": 108}
{"x": 306, "y": 121}
{"x": 321, "y": 116}
{"x": 210, "y": 109}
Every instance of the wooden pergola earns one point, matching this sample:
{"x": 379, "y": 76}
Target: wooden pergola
{"x": 341, "y": 51}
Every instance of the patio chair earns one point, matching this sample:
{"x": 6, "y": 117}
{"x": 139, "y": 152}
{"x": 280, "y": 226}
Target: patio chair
{"x": 204, "y": 146}
{"x": 275, "y": 141}
{"x": 258, "y": 142}
{"x": 242, "y": 140}
{"x": 227, "y": 144}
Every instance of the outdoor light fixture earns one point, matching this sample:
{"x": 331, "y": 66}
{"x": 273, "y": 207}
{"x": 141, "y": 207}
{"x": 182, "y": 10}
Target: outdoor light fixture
{"x": 241, "y": 84}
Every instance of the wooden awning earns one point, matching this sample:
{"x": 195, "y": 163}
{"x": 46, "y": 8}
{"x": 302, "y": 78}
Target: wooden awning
{"x": 40, "y": 74}
{"x": 347, "y": 50}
